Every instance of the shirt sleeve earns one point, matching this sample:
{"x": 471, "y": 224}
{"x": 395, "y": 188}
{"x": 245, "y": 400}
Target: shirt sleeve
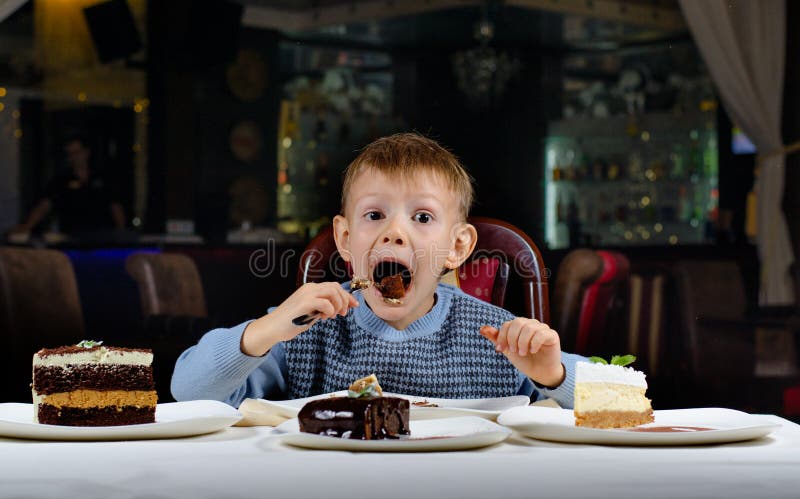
{"x": 217, "y": 369}
{"x": 563, "y": 393}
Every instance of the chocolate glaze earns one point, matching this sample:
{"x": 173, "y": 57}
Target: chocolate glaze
{"x": 356, "y": 418}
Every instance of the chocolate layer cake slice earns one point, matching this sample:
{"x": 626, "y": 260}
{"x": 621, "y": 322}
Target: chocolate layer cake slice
{"x": 364, "y": 414}
{"x": 93, "y": 385}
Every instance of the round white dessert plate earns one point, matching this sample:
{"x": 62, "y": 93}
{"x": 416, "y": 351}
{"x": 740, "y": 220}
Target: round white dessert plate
{"x": 173, "y": 420}
{"x": 558, "y": 425}
{"x": 425, "y": 408}
{"x": 432, "y": 435}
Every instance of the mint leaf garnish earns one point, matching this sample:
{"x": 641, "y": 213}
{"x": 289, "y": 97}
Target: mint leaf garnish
{"x": 367, "y": 391}
{"x": 89, "y": 344}
{"x": 623, "y": 360}
{"x": 616, "y": 360}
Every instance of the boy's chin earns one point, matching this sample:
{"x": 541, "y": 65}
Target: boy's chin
{"x": 389, "y": 312}
{"x": 386, "y": 310}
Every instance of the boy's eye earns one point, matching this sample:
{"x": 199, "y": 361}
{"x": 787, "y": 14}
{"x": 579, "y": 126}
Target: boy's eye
{"x": 423, "y": 218}
{"x": 374, "y": 215}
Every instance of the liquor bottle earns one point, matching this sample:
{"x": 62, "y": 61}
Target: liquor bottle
{"x": 678, "y": 162}
{"x": 684, "y": 205}
{"x": 556, "y": 173}
{"x": 573, "y": 223}
{"x": 559, "y": 208}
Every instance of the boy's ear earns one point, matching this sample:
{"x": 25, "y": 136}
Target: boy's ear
{"x": 341, "y": 235}
{"x": 464, "y": 239}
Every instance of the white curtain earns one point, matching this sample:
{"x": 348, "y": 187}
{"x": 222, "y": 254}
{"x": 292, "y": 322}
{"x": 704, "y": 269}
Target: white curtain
{"x": 743, "y": 43}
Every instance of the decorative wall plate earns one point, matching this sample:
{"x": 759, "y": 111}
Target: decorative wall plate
{"x": 246, "y": 141}
{"x": 247, "y": 76}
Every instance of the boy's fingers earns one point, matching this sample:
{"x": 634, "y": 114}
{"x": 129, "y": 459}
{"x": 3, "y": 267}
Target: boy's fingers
{"x": 348, "y": 301}
{"x": 502, "y": 337}
{"x": 542, "y": 337}
{"x": 325, "y": 308}
{"x": 537, "y": 341}
{"x": 524, "y": 342}
{"x": 490, "y": 333}
{"x": 514, "y": 332}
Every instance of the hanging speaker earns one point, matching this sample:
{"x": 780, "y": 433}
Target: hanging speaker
{"x": 208, "y": 33}
{"x": 113, "y": 30}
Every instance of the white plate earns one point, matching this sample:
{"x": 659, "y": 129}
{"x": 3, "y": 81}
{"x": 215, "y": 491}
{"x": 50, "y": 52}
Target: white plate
{"x": 447, "y": 434}
{"x": 173, "y": 420}
{"x": 446, "y": 408}
{"x": 727, "y": 425}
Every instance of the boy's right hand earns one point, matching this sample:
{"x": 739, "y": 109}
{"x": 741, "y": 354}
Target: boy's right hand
{"x": 327, "y": 299}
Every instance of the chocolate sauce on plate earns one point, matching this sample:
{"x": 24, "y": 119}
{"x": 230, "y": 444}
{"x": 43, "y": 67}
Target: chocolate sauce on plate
{"x": 669, "y": 429}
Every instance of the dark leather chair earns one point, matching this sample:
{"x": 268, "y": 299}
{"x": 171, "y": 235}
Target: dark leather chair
{"x": 520, "y": 281}
{"x": 649, "y": 299}
{"x": 169, "y": 284}
{"x": 174, "y": 313}
{"x": 718, "y": 340}
{"x": 589, "y": 301}
{"x": 39, "y": 308}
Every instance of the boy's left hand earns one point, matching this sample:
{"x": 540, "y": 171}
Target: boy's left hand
{"x": 532, "y": 347}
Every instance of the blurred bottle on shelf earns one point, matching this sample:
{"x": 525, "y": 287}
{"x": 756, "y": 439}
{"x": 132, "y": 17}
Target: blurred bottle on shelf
{"x": 559, "y": 208}
{"x": 573, "y": 223}
{"x": 583, "y": 169}
{"x": 677, "y": 159}
{"x": 598, "y": 169}
{"x": 684, "y": 205}
{"x": 556, "y": 173}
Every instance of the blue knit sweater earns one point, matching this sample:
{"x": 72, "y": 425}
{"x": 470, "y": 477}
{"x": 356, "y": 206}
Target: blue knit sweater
{"x": 439, "y": 355}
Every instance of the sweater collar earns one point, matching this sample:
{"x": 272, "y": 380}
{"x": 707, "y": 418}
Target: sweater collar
{"x": 424, "y": 326}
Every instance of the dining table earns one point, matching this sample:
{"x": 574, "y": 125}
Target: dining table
{"x": 256, "y": 462}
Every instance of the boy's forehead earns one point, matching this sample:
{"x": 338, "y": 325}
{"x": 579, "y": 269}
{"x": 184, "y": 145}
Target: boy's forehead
{"x": 417, "y": 176}
{"x": 418, "y": 180}
{"x": 422, "y": 182}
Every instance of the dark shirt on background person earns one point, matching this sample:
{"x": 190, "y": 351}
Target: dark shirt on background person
{"x": 82, "y": 201}
{"x": 81, "y": 206}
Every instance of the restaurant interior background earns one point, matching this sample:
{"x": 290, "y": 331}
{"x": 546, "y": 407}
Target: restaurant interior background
{"x": 224, "y": 128}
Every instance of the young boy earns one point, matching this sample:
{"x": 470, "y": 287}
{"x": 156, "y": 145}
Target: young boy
{"x": 405, "y": 200}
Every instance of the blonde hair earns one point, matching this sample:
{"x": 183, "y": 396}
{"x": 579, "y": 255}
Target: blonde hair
{"x": 406, "y": 154}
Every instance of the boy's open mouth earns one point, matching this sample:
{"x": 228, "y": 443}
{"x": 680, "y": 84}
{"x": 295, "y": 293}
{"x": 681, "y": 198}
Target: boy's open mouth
{"x": 392, "y": 280}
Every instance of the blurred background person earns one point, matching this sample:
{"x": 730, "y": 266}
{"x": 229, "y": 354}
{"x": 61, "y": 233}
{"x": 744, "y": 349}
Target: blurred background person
{"x": 80, "y": 198}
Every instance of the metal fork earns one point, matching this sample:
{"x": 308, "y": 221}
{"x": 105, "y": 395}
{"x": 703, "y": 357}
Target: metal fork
{"x": 356, "y": 284}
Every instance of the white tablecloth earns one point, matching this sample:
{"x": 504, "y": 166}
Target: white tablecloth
{"x": 250, "y": 462}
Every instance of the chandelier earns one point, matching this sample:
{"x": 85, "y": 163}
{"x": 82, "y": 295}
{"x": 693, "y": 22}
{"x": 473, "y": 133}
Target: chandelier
{"x": 483, "y": 72}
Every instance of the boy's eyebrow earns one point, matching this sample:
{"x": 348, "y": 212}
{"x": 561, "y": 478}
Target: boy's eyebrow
{"x": 422, "y": 196}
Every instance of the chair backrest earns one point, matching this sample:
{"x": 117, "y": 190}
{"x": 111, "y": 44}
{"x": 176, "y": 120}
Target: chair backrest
{"x": 590, "y": 296}
{"x": 169, "y": 284}
{"x": 520, "y": 278}
{"x": 40, "y": 307}
{"x": 709, "y": 290}
{"x": 649, "y": 287}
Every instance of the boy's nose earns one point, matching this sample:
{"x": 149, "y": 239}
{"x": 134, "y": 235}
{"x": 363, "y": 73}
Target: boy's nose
{"x": 394, "y": 235}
